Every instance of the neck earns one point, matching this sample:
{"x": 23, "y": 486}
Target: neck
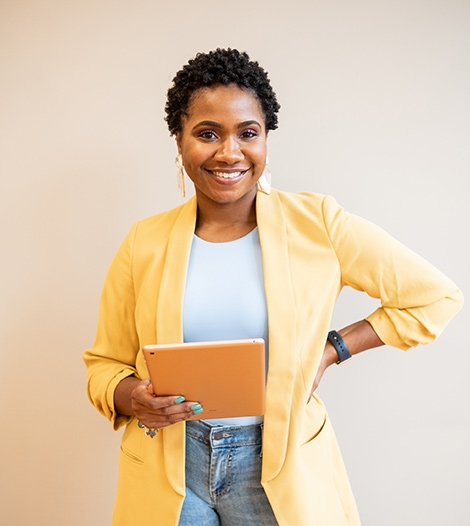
{"x": 218, "y": 222}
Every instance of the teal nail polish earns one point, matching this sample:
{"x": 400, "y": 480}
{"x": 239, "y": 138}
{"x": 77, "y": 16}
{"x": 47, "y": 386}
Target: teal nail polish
{"x": 197, "y": 408}
{"x": 179, "y": 399}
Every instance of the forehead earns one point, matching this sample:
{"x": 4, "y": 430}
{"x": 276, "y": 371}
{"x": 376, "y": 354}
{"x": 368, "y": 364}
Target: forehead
{"x": 224, "y": 103}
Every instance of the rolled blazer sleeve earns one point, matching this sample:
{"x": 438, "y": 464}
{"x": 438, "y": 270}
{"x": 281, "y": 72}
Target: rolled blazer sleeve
{"x": 417, "y": 300}
{"x": 113, "y": 355}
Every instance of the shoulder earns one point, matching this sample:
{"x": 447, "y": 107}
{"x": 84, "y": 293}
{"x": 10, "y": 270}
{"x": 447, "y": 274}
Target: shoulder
{"x": 306, "y": 199}
{"x": 159, "y": 226}
{"x": 308, "y": 204}
{"x": 150, "y": 236}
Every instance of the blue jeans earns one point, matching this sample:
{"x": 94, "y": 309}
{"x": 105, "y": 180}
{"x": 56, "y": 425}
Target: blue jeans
{"x": 223, "y": 473}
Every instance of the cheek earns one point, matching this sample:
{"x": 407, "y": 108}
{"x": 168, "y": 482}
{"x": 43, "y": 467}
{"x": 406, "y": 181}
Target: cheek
{"x": 258, "y": 154}
{"x": 195, "y": 155}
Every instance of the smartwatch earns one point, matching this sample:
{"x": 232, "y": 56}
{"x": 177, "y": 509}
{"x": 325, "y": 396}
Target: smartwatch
{"x": 341, "y": 348}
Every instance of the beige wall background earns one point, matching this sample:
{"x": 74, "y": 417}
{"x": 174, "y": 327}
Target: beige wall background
{"x": 375, "y": 110}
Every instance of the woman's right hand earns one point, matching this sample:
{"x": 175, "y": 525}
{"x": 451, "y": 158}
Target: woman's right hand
{"x": 156, "y": 412}
{"x": 135, "y": 397}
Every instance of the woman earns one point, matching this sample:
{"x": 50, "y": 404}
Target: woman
{"x": 194, "y": 272}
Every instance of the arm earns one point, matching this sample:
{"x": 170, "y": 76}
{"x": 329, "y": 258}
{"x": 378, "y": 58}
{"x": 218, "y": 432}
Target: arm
{"x": 112, "y": 379}
{"x": 417, "y": 300}
{"x": 112, "y": 358}
{"x": 358, "y": 337}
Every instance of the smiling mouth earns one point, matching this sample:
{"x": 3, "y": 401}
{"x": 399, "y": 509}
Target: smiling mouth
{"x": 228, "y": 175}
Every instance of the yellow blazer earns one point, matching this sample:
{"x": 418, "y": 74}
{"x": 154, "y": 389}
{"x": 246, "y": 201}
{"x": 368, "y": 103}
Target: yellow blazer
{"x": 311, "y": 248}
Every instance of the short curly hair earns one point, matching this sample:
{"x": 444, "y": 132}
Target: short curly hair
{"x": 222, "y": 66}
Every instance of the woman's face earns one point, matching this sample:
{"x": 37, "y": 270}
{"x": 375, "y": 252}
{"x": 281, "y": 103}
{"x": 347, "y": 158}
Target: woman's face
{"x": 223, "y": 143}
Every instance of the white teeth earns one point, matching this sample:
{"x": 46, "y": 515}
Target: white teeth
{"x": 224, "y": 175}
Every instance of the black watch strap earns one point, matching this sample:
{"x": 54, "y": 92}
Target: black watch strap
{"x": 341, "y": 348}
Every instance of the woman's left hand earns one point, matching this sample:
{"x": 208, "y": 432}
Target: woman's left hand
{"x": 359, "y": 337}
{"x": 330, "y": 356}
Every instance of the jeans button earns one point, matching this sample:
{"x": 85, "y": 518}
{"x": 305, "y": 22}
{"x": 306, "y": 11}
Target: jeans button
{"x": 218, "y": 435}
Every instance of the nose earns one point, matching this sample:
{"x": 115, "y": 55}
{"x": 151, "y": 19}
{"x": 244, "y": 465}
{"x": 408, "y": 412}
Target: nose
{"x": 229, "y": 151}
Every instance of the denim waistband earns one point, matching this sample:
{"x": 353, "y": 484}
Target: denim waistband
{"x": 223, "y": 436}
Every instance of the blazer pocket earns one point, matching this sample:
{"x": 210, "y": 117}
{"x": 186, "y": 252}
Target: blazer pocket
{"x": 131, "y": 444}
{"x": 315, "y": 433}
{"x": 315, "y": 420}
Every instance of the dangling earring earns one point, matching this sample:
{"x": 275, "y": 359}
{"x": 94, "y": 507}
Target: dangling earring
{"x": 264, "y": 182}
{"x": 180, "y": 174}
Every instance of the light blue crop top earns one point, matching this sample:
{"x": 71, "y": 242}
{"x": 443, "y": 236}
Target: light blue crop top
{"x": 225, "y": 297}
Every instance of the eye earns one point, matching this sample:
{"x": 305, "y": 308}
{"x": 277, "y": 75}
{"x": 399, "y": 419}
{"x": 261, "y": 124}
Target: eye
{"x": 249, "y": 134}
{"x": 208, "y": 135}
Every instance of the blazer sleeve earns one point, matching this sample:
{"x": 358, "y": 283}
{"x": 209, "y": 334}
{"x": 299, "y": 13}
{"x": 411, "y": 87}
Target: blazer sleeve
{"x": 113, "y": 355}
{"x": 417, "y": 300}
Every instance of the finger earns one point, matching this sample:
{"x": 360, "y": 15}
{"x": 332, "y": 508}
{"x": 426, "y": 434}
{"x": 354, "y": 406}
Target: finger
{"x": 314, "y": 386}
{"x": 159, "y": 421}
{"x": 162, "y": 402}
{"x": 177, "y": 405}
{"x": 162, "y": 405}
{"x": 168, "y": 415}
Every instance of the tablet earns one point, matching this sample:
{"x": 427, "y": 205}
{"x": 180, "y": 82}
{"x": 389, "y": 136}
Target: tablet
{"x": 226, "y": 377}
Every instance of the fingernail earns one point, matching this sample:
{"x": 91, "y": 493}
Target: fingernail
{"x": 179, "y": 399}
{"x": 197, "y": 408}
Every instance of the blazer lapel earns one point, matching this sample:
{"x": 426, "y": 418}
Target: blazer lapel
{"x": 282, "y": 338}
{"x": 172, "y": 287}
{"x": 170, "y": 326}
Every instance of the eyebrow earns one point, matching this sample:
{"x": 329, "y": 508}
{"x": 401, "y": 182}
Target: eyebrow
{"x": 215, "y": 124}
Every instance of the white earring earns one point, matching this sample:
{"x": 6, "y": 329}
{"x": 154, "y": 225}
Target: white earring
{"x": 180, "y": 174}
{"x": 264, "y": 182}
